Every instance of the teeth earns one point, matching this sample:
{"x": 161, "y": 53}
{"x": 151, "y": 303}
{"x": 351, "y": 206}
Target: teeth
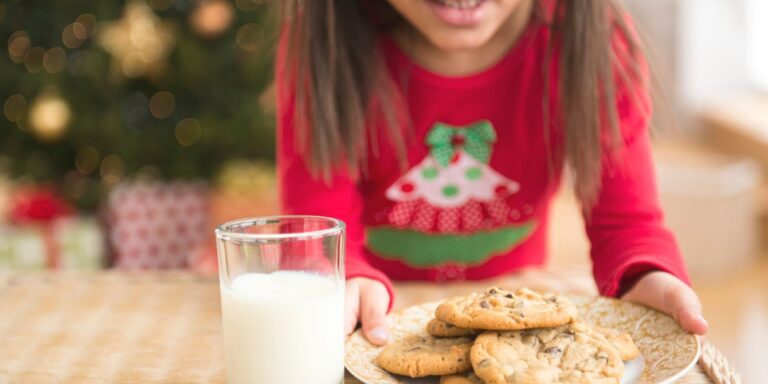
{"x": 460, "y": 4}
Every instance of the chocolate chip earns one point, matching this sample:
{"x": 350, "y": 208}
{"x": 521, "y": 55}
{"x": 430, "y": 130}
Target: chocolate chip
{"x": 509, "y": 296}
{"x": 553, "y": 351}
{"x": 493, "y": 291}
{"x": 552, "y": 299}
{"x": 484, "y": 304}
{"x": 531, "y": 340}
{"x": 484, "y": 363}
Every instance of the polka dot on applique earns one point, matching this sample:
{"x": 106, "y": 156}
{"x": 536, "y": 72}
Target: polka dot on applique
{"x": 455, "y": 158}
{"x": 407, "y": 187}
{"x": 501, "y": 190}
{"x": 429, "y": 173}
{"x": 450, "y": 190}
{"x": 473, "y": 173}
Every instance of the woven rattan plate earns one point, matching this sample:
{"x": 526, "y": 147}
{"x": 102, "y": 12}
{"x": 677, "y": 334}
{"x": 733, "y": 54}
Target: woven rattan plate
{"x": 668, "y": 352}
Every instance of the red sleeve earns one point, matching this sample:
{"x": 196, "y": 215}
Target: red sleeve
{"x": 625, "y": 226}
{"x": 301, "y": 193}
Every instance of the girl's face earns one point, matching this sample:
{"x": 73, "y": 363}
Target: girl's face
{"x": 457, "y": 24}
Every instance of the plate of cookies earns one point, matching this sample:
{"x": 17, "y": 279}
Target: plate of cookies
{"x": 501, "y": 337}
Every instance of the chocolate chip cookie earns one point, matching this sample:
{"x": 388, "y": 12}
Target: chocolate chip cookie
{"x": 464, "y": 378}
{"x": 498, "y": 309}
{"x": 571, "y": 353}
{"x": 424, "y": 355}
{"x": 439, "y": 328}
{"x": 622, "y": 341}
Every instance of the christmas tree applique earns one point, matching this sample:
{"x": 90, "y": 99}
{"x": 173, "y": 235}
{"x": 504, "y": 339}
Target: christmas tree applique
{"x": 451, "y": 207}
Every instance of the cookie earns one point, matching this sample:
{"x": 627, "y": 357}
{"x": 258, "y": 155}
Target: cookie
{"x": 622, "y": 341}
{"x": 571, "y": 353}
{"x": 424, "y": 355}
{"x": 439, "y": 328}
{"x": 464, "y": 378}
{"x": 498, "y": 309}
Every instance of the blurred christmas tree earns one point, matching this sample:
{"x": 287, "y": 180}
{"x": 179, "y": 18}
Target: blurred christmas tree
{"x": 95, "y": 92}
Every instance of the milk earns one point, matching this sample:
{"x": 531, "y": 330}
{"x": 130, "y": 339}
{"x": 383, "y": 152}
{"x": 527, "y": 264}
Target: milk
{"x": 283, "y": 327}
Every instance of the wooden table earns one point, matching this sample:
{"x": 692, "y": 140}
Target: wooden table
{"x": 152, "y": 327}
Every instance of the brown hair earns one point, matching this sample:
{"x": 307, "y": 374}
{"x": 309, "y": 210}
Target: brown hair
{"x": 332, "y": 54}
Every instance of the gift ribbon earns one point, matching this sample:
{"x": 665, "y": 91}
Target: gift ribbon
{"x": 477, "y": 139}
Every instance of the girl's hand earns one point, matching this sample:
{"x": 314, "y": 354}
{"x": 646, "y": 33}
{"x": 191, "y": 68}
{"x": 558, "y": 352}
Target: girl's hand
{"x": 668, "y": 294}
{"x": 367, "y": 300}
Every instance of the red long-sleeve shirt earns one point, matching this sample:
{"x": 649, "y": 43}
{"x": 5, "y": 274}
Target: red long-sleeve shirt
{"x": 475, "y": 199}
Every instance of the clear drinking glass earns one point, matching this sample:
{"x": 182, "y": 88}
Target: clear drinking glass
{"x": 282, "y": 299}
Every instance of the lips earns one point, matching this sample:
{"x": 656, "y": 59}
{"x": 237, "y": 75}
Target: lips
{"x": 460, "y": 13}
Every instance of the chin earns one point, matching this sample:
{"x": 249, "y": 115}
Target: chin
{"x": 459, "y": 40}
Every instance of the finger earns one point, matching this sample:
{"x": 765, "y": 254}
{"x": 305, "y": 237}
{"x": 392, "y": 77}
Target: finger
{"x": 351, "y": 307}
{"x": 682, "y": 303}
{"x": 373, "y": 308}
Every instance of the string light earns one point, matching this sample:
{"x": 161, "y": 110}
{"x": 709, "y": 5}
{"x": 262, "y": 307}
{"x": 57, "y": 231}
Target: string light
{"x": 211, "y": 17}
{"x": 188, "y": 132}
{"x": 15, "y": 107}
{"x": 87, "y": 160}
{"x": 161, "y": 104}
{"x": 49, "y": 115}
{"x": 112, "y": 169}
{"x": 55, "y": 60}
{"x": 70, "y": 36}
{"x": 88, "y": 21}
{"x": 18, "y": 45}
{"x": 249, "y": 37}
{"x": 34, "y": 59}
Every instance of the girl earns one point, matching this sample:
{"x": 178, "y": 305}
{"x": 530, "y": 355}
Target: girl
{"x": 438, "y": 131}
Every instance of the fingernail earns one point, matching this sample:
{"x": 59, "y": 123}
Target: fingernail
{"x": 379, "y": 335}
{"x": 700, "y": 318}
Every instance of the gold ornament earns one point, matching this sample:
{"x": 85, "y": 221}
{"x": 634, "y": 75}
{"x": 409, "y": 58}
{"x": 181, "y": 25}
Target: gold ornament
{"x": 139, "y": 42}
{"x": 212, "y": 17}
{"x": 49, "y": 115}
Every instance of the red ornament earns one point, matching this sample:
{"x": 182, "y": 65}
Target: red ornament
{"x": 455, "y": 157}
{"x": 407, "y": 187}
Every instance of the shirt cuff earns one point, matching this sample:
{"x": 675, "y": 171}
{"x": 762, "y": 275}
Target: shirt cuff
{"x": 357, "y": 267}
{"x": 632, "y": 269}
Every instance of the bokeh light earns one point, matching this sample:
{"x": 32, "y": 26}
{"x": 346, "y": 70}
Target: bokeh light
{"x": 70, "y": 38}
{"x": 161, "y": 5}
{"x": 112, "y": 169}
{"x": 162, "y": 104}
{"x": 188, "y": 132}
{"x": 49, "y": 115}
{"x": 250, "y": 37}
{"x": 15, "y": 107}
{"x": 34, "y": 59}
{"x": 18, "y": 45}
{"x": 88, "y": 21}
{"x": 87, "y": 160}
{"x": 211, "y": 17}
{"x": 55, "y": 60}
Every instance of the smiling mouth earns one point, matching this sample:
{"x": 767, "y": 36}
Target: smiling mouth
{"x": 459, "y": 4}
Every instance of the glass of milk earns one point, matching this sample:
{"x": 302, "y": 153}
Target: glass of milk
{"x": 282, "y": 299}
